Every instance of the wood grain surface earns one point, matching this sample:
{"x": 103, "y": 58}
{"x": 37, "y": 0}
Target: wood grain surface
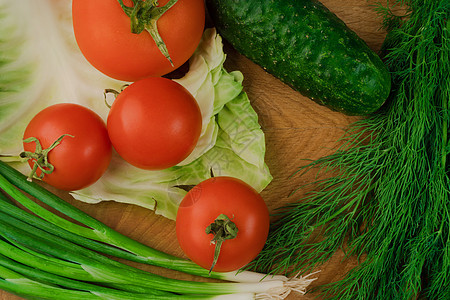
{"x": 295, "y": 127}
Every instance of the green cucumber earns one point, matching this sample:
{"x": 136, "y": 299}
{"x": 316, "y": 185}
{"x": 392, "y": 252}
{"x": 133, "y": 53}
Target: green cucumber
{"x": 307, "y": 47}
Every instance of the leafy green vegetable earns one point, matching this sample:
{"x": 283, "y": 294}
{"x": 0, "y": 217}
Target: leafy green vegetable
{"x": 232, "y": 143}
{"x": 387, "y": 199}
{"x": 36, "y": 74}
{"x": 41, "y": 65}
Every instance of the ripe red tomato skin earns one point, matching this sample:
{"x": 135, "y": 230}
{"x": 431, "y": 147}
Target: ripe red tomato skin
{"x": 80, "y": 160}
{"x": 154, "y": 123}
{"x": 203, "y": 204}
{"x": 103, "y": 34}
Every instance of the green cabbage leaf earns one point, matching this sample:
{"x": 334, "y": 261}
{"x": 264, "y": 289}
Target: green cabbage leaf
{"x": 40, "y": 65}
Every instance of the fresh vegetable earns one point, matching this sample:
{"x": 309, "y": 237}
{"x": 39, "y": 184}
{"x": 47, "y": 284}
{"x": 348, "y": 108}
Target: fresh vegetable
{"x": 36, "y": 75}
{"x": 52, "y": 250}
{"x": 231, "y": 143}
{"x": 67, "y": 146}
{"x": 307, "y": 47}
{"x": 154, "y": 123}
{"x": 122, "y": 246}
{"x": 235, "y": 218}
{"x": 387, "y": 201}
{"x": 130, "y": 40}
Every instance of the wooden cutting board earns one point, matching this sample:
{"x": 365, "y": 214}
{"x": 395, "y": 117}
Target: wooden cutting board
{"x": 296, "y": 128}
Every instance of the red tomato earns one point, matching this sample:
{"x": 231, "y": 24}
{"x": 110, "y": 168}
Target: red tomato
{"x": 203, "y": 204}
{"x": 78, "y": 161}
{"x": 154, "y": 123}
{"x": 104, "y": 36}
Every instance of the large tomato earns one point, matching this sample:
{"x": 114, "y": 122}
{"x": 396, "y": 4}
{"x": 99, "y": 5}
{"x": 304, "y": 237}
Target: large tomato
{"x": 241, "y": 204}
{"x": 103, "y": 33}
{"x": 83, "y": 154}
{"x": 154, "y": 123}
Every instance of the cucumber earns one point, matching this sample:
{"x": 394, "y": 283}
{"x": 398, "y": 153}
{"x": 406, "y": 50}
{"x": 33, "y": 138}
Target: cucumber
{"x": 307, "y": 47}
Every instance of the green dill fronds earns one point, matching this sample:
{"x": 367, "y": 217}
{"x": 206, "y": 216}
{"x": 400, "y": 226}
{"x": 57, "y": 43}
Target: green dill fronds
{"x": 386, "y": 199}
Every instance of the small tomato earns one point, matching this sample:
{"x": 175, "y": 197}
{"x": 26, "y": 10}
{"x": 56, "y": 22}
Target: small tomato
{"x": 82, "y": 150}
{"x": 103, "y": 33}
{"x": 154, "y": 123}
{"x": 198, "y": 214}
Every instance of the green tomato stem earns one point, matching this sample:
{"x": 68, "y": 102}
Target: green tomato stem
{"x": 40, "y": 156}
{"x": 144, "y": 15}
{"x": 223, "y": 229}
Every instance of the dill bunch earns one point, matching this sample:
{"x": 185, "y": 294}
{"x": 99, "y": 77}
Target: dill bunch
{"x": 387, "y": 200}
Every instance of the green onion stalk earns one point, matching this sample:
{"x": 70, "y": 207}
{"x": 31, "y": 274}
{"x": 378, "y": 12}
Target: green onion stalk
{"x": 98, "y": 236}
{"x": 55, "y": 256}
{"x": 16, "y": 283}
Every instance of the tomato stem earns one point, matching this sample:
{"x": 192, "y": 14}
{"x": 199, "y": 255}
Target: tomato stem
{"x": 114, "y": 92}
{"x": 223, "y": 229}
{"x": 40, "y": 156}
{"x": 144, "y": 15}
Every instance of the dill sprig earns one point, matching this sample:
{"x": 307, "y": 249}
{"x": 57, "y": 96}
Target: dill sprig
{"x": 386, "y": 200}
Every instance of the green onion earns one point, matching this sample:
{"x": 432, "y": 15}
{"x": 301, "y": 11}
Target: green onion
{"x": 117, "y": 244}
{"x": 35, "y": 221}
{"x": 16, "y": 283}
{"x": 70, "y": 257}
{"x": 8, "y": 267}
{"x": 86, "y": 267}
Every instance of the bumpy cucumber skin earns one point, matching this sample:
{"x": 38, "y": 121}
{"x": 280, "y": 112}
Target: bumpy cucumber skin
{"x": 309, "y": 48}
